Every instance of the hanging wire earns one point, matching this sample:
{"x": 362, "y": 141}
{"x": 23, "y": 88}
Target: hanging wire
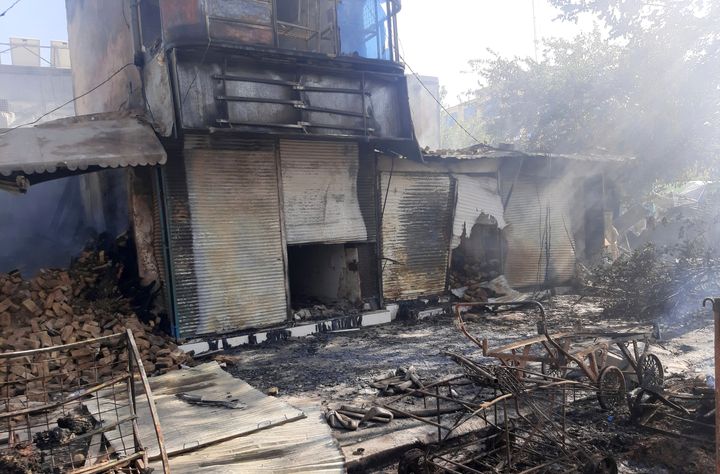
{"x": 4, "y": 132}
{"x": 444, "y": 109}
{"x": 10, "y": 7}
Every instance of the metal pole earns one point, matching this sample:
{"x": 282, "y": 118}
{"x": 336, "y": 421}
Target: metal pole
{"x": 439, "y": 423}
{"x": 716, "y": 312}
{"x": 507, "y": 434}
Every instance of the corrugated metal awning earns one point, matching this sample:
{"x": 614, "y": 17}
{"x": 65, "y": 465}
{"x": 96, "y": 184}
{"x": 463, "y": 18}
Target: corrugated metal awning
{"x": 77, "y": 144}
{"x": 476, "y": 195}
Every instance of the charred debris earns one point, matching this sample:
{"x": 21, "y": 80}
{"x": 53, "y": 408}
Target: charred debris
{"x": 260, "y": 166}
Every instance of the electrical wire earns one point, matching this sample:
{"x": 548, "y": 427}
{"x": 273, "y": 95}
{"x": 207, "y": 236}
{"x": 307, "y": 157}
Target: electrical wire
{"x": 197, "y": 72}
{"x": 387, "y": 193}
{"x": 34, "y": 54}
{"x": 9, "y": 8}
{"x": 4, "y": 132}
{"x": 444, "y": 109}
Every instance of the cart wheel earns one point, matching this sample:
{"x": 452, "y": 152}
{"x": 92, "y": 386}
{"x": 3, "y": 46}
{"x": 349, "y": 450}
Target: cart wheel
{"x": 412, "y": 462}
{"x": 650, "y": 371}
{"x": 553, "y": 369}
{"x": 611, "y": 388}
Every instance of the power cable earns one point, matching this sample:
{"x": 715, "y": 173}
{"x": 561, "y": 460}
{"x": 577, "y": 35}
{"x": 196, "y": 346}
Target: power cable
{"x": 197, "y": 72}
{"x": 440, "y": 103}
{"x": 4, "y": 132}
{"x": 387, "y": 193}
{"x": 9, "y": 8}
{"x": 34, "y": 54}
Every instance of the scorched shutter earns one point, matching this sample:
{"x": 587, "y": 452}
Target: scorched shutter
{"x": 226, "y": 243}
{"x": 326, "y": 197}
{"x": 416, "y": 228}
{"x": 476, "y": 195}
{"x": 540, "y": 247}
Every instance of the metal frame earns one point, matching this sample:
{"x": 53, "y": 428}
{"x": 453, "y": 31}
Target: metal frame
{"x": 50, "y": 382}
{"x": 556, "y": 352}
{"x": 524, "y": 415}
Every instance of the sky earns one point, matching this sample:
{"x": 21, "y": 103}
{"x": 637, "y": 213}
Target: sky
{"x": 437, "y": 37}
{"x": 41, "y": 19}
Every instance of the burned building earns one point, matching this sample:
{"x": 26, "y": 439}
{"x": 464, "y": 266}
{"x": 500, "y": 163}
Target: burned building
{"x": 283, "y": 168}
{"x": 530, "y": 217}
{"x": 271, "y": 113}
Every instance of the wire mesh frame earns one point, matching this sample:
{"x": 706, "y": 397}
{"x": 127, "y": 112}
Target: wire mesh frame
{"x": 51, "y": 415}
{"x": 524, "y": 414}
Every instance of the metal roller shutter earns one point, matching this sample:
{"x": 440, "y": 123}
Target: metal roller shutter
{"x": 226, "y": 243}
{"x": 325, "y": 196}
{"x": 538, "y": 232}
{"x": 476, "y": 195}
{"x": 416, "y": 229}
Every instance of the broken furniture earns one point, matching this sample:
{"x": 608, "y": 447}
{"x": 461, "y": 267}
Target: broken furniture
{"x": 45, "y": 421}
{"x": 591, "y": 354}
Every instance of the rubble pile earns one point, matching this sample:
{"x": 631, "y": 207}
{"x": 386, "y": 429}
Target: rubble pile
{"x": 475, "y": 278}
{"x": 314, "y": 312}
{"x": 655, "y": 283}
{"x": 59, "y": 307}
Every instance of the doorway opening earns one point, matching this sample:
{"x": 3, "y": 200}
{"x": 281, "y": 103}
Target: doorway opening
{"x": 329, "y": 280}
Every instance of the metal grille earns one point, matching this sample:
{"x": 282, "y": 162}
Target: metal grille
{"x": 230, "y": 230}
{"x": 539, "y": 238}
{"x": 60, "y": 408}
{"x": 415, "y": 234}
{"x": 322, "y": 193}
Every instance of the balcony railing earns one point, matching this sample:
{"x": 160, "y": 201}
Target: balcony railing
{"x": 29, "y": 52}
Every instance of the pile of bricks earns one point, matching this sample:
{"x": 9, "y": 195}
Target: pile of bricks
{"x": 59, "y": 307}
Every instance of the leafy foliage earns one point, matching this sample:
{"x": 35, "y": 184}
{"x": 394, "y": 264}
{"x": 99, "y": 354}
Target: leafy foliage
{"x": 651, "y": 89}
{"x": 659, "y": 283}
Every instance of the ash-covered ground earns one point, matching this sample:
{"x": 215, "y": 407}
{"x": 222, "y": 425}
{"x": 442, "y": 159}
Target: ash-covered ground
{"x": 339, "y": 367}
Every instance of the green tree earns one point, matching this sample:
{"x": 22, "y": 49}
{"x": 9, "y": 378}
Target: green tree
{"x": 650, "y": 90}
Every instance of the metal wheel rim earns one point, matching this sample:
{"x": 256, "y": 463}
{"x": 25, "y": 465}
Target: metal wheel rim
{"x": 553, "y": 369}
{"x": 651, "y": 374}
{"x": 611, "y": 388}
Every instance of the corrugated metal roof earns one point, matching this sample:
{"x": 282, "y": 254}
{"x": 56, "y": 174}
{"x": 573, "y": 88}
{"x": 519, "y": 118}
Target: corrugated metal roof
{"x": 483, "y": 152}
{"x": 78, "y": 143}
{"x": 476, "y": 195}
{"x": 322, "y": 193}
{"x": 267, "y": 434}
{"x": 305, "y": 445}
{"x": 415, "y": 234}
{"x": 539, "y": 240}
{"x": 226, "y": 242}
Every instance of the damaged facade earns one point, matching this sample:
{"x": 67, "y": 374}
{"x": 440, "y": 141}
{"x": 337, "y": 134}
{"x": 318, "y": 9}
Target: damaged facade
{"x": 286, "y": 170}
{"x": 271, "y": 114}
{"x": 529, "y": 217}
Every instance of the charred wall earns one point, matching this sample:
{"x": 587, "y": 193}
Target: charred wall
{"x": 101, "y": 35}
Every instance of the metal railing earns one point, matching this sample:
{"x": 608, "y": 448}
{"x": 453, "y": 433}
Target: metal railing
{"x": 29, "y": 52}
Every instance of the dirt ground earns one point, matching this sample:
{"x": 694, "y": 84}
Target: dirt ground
{"x": 339, "y": 367}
